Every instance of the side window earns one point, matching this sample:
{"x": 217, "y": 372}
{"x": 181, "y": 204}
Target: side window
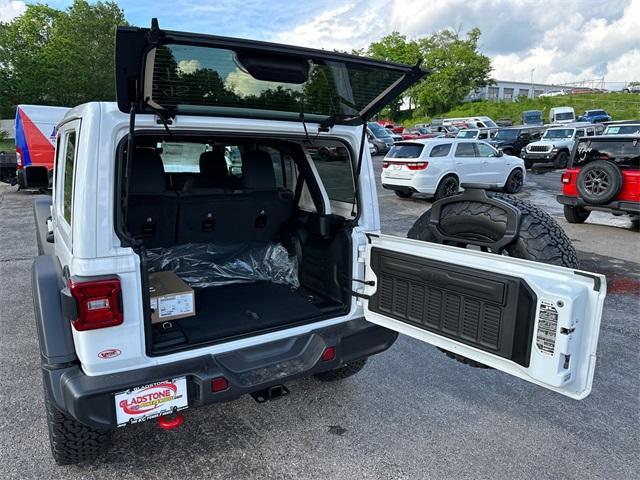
{"x": 56, "y": 160}
{"x": 482, "y": 136}
{"x": 485, "y": 150}
{"x": 590, "y": 132}
{"x": 67, "y": 183}
{"x": 580, "y": 133}
{"x": 465, "y": 150}
{"x": 440, "y": 150}
{"x": 333, "y": 162}
{"x": 283, "y": 168}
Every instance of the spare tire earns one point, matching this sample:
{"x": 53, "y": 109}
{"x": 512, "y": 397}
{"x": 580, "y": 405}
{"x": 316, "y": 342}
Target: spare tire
{"x": 599, "y": 182}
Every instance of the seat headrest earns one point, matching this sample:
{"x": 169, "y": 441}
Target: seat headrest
{"x": 213, "y": 165}
{"x": 257, "y": 170}
{"x": 147, "y": 172}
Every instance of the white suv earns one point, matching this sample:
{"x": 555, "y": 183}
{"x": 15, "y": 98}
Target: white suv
{"x": 281, "y": 268}
{"x": 439, "y": 166}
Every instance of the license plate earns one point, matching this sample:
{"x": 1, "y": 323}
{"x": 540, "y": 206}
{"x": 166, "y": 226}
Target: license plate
{"x": 150, "y": 401}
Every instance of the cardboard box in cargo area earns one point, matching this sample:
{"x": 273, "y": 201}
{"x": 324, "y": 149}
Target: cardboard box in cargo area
{"x": 170, "y": 297}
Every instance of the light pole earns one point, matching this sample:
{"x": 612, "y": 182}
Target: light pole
{"x": 532, "y": 70}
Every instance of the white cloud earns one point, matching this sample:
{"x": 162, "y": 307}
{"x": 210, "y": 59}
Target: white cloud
{"x": 10, "y": 9}
{"x": 244, "y": 84}
{"x": 188, "y": 66}
{"x": 567, "y": 41}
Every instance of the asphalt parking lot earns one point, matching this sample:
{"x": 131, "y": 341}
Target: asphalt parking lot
{"x": 411, "y": 413}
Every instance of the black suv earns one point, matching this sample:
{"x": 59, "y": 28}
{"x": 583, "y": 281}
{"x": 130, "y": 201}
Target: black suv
{"x": 513, "y": 139}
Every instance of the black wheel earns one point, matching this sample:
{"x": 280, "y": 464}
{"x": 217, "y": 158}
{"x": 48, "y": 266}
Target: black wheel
{"x": 341, "y": 373}
{"x": 576, "y": 214}
{"x": 449, "y": 186}
{"x": 325, "y": 156}
{"x": 71, "y": 441}
{"x": 540, "y": 238}
{"x": 561, "y": 160}
{"x": 403, "y": 193}
{"x": 599, "y": 182}
{"x": 514, "y": 181}
{"x": 376, "y": 150}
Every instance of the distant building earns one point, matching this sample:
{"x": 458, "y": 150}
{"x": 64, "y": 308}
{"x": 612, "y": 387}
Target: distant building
{"x": 504, "y": 90}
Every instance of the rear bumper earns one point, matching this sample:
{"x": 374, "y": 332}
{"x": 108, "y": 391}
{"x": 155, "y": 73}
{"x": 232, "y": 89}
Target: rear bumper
{"x": 415, "y": 184}
{"x": 616, "y": 205}
{"x": 90, "y": 399}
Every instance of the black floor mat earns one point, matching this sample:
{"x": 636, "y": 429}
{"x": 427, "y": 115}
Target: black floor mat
{"x": 239, "y": 309}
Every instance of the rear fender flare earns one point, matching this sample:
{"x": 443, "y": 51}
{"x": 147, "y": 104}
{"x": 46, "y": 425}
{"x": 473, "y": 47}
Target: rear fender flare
{"x": 54, "y": 329}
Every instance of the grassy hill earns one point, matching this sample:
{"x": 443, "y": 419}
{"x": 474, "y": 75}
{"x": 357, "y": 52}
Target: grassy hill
{"x": 621, "y": 106}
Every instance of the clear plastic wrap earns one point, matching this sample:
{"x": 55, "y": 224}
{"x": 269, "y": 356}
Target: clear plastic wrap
{"x": 203, "y": 265}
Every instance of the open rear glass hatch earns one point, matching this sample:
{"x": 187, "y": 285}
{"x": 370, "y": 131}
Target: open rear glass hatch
{"x": 195, "y": 74}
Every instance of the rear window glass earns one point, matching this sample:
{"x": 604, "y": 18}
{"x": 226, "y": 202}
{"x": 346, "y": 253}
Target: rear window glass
{"x": 623, "y": 130}
{"x": 440, "y": 150}
{"x": 625, "y": 154}
{"x": 194, "y": 78}
{"x": 406, "y": 150}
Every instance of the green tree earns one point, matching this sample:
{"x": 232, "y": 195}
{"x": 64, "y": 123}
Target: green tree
{"x": 456, "y": 65}
{"x": 54, "y": 57}
{"x": 396, "y": 48}
{"x": 457, "y": 69}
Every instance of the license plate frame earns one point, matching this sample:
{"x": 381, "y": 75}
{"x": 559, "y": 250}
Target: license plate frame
{"x": 149, "y": 401}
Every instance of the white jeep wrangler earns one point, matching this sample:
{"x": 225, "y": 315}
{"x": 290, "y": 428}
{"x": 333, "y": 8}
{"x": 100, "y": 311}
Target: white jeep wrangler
{"x": 205, "y": 167}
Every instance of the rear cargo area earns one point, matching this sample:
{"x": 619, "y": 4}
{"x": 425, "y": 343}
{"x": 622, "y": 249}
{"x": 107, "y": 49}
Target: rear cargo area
{"x": 234, "y": 310}
{"x": 254, "y": 261}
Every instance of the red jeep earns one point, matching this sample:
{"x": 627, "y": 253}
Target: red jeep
{"x": 603, "y": 174}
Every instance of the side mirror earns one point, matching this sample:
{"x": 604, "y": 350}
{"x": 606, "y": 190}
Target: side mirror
{"x": 500, "y": 153}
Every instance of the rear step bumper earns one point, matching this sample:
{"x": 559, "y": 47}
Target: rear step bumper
{"x": 617, "y": 205}
{"x": 90, "y": 399}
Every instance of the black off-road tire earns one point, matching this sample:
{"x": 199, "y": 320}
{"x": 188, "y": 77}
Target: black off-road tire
{"x": 514, "y": 181}
{"x": 343, "y": 372}
{"x": 447, "y": 187}
{"x": 576, "y": 214}
{"x": 600, "y": 170}
{"x": 561, "y": 160}
{"x": 540, "y": 239}
{"x": 403, "y": 193}
{"x": 71, "y": 441}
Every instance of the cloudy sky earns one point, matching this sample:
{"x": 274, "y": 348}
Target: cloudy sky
{"x": 565, "y": 41}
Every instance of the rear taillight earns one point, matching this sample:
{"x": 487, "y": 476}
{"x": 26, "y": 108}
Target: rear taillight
{"x": 417, "y": 165}
{"x": 385, "y": 164}
{"x": 566, "y": 177}
{"x": 97, "y": 303}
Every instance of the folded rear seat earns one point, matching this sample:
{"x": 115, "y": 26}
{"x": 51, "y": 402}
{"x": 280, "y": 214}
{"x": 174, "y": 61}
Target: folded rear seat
{"x": 272, "y": 207}
{"x": 209, "y": 208}
{"x": 221, "y": 215}
{"x": 152, "y": 209}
